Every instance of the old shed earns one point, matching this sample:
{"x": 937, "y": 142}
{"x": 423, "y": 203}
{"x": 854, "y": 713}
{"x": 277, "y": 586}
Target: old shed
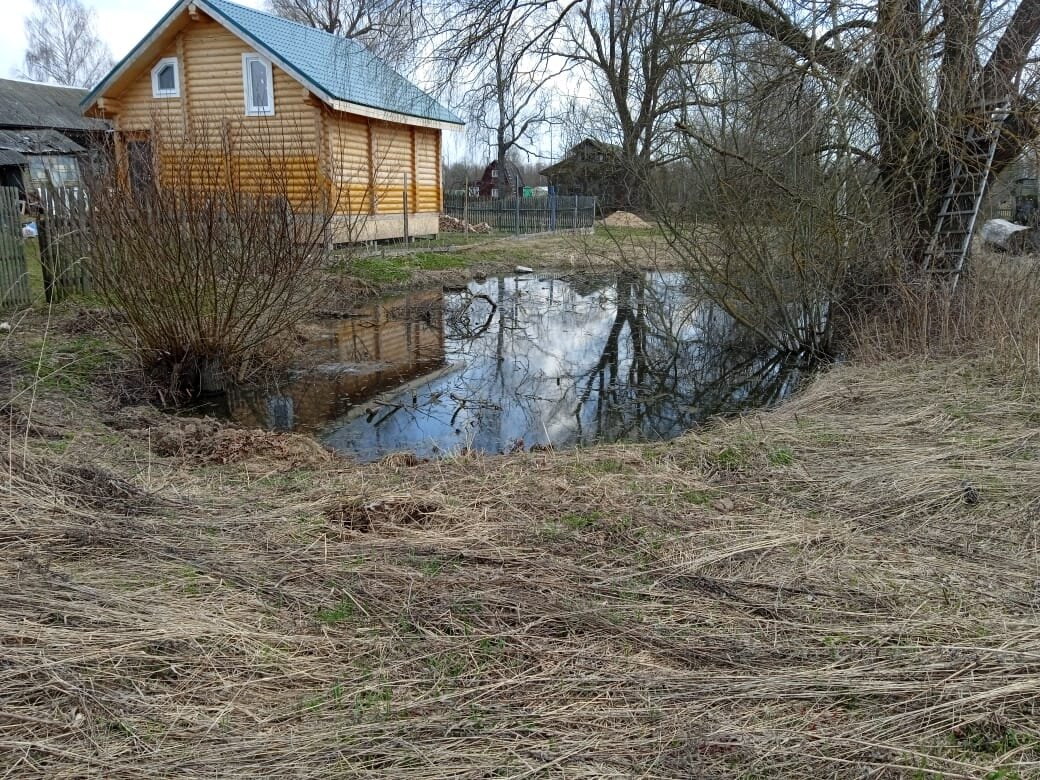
{"x": 44, "y": 135}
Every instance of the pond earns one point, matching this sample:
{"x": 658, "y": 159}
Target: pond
{"x": 512, "y": 363}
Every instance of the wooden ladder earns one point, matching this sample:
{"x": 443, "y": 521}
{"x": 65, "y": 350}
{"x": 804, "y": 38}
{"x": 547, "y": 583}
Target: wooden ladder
{"x": 959, "y": 210}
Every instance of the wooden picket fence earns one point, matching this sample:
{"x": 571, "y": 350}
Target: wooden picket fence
{"x": 14, "y": 272}
{"x": 63, "y": 241}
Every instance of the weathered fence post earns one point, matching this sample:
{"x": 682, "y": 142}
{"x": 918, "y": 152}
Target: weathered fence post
{"x": 62, "y": 228}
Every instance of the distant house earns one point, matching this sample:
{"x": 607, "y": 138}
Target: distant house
{"x": 496, "y": 184}
{"x": 1014, "y": 193}
{"x": 340, "y": 116}
{"x": 592, "y": 167}
{"x": 44, "y": 136}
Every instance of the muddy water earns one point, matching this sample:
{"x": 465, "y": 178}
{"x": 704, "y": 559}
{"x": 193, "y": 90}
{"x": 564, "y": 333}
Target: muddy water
{"x": 516, "y": 362}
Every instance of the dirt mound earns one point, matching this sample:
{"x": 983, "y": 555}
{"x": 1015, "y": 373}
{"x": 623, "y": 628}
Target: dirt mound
{"x": 624, "y": 219}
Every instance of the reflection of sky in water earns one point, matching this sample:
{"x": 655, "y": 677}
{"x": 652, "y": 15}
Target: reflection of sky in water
{"x": 564, "y": 363}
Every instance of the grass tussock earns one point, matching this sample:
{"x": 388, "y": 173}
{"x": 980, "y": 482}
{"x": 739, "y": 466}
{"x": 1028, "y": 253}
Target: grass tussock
{"x": 847, "y": 586}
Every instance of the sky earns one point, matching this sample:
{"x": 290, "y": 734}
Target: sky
{"x": 121, "y": 24}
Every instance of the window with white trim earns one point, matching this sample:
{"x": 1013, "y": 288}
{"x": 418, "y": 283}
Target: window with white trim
{"x": 258, "y": 82}
{"x": 166, "y": 78}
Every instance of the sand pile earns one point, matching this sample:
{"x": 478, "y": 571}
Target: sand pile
{"x": 624, "y": 219}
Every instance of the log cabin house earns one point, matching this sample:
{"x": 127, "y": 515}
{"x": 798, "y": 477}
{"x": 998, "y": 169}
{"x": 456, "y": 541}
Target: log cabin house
{"x": 339, "y": 117}
{"x": 593, "y": 167}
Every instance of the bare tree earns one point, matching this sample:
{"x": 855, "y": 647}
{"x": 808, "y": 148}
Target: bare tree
{"x": 64, "y": 47}
{"x": 392, "y": 29}
{"x": 783, "y": 214}
{"x": 500, "y": 54}
{"x": 638, "y": 57}
{"x": 920, "y": 75}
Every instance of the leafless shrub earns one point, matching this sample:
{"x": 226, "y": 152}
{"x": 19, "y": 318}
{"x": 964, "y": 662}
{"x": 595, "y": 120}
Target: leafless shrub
{"x": 781, "y": 219}
{"x": 210, "y": 245}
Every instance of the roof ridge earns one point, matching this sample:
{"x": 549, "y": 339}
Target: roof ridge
{"x": 44, "y": 84}
{"x": 301, "y": 25}
{"x": 334, "y": 67}
{"x": 311, "y": 29}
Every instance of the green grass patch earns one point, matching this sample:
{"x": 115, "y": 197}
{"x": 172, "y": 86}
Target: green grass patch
{"x": 700, "y": 497}
{"x": 580, "y": 521}
{"x": 344, "y": 610}
{"x": 983, "y": 738}
{"x": 400, "y": 268}
{"x": 730, "y": 459}
{"x": 436, "y": 261}
{"x": 68, "y": 364}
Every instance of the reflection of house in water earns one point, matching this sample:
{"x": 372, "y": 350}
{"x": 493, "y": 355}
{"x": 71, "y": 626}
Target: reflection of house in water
{"x": 377, "y": 348}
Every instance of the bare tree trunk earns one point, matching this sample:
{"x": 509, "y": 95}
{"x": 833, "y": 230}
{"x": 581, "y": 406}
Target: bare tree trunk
{"x": 917, "y": 137}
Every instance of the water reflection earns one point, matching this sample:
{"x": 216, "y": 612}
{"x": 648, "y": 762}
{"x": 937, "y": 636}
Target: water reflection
{"x": 519, "y": 362}
{"x": 345, "y": 362}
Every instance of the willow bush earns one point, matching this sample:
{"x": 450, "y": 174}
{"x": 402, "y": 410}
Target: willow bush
{"x": 211, "y": 246}
{"x": 786, "y": 220}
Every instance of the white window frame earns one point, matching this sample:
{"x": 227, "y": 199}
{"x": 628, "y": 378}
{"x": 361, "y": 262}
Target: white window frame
{"x": 166, "y": 93}
{"x": 252, "y": 110}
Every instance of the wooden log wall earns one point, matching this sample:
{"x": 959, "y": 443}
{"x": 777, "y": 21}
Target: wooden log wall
{"x": 364, "y": 161}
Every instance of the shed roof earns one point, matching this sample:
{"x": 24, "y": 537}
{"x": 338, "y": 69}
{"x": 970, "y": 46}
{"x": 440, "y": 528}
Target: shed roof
{"x": 27, "y": 104}
{"x": 339, "y": 70}
{"x": 38, "y": 142}
{"x": 9, "y": 157}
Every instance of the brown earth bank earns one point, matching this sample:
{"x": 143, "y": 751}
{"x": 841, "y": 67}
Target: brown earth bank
{"x": 845, "y": 586}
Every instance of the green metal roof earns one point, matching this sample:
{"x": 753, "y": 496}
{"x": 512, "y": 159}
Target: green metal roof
{"x": 336, "y": 68}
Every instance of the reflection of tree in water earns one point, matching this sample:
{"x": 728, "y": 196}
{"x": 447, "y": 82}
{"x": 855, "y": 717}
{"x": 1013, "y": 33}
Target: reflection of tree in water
{"x": 669, "y": 362}
{"x": 658, "y": 363}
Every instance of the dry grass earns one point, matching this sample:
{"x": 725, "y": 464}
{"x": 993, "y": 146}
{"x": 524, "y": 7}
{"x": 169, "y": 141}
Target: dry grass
{"x": 994, "y": 311}
{"x": 844, "y": 587}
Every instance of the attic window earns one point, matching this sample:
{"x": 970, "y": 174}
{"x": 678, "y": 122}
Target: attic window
{"x": 166, "y": 79}
{"x": 258, "y": 84}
